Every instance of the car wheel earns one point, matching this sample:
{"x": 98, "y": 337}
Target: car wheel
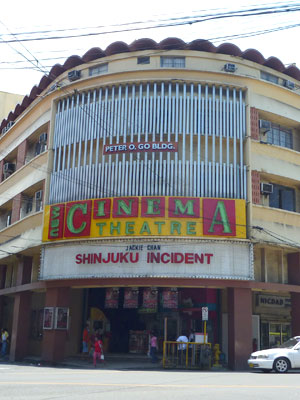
{"x": 281, "y": 365}
{"x": 266, "y": 370}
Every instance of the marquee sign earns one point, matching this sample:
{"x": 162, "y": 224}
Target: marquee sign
{"x": 204, "y": 259}
{"x": 144, "y": 217}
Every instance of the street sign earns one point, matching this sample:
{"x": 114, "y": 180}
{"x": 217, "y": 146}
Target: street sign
{"x": 204, "y": 313}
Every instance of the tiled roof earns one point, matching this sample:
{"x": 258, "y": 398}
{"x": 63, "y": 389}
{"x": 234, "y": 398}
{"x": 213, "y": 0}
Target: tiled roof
{"x": 148, "y": 44}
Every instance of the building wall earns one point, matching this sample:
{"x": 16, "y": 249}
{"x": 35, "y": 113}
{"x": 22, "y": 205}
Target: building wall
{"x": 211, "y": 114}
{"x": 7, "y": 103}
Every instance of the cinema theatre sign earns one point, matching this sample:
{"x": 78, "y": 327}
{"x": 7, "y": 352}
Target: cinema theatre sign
{"x": 144, "y": 217}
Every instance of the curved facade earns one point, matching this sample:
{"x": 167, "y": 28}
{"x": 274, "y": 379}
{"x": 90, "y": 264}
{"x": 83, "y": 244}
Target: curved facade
{"x": 148, "y": 170}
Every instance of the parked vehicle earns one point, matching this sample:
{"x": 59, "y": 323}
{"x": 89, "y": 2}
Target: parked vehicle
{"x": 280, "y": 359}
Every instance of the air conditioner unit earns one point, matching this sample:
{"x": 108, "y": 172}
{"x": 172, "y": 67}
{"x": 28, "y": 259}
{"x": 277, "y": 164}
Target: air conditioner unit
{"x": 266, "y": 188}
{"x": 43, "y": 138}
{"x": 74, "y": 75}
{"x": 230, "y": 67}
{"x": 9, "y": 167}
{"x": 38, "y": 195}
{"x": 289, "y": 85}
{"x": 264, "y": 126}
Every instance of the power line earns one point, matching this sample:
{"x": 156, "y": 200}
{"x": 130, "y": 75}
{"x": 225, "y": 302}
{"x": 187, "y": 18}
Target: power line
{"x": 174, "y": 22}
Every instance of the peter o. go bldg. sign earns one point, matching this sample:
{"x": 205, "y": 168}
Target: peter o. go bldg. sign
{"x": 145, "y": 217}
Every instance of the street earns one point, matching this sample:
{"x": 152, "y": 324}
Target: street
{"x": 21, "y": 382}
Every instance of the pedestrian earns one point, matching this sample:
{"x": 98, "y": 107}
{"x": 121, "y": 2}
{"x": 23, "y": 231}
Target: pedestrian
{"x": 182, "y": 347}
{"x": 192, "y": 346}
{"x": 85, "y": 339}
{"x": 153, "y": 347}
{"x": 182, "y": 340}
{"x": 98, "y": 351}
{"x": 4, "y": 340}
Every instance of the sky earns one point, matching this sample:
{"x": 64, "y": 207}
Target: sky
{"x": 23, "y": 63}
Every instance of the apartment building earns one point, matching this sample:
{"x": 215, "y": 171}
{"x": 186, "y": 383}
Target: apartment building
{"x": 143, "y": 184}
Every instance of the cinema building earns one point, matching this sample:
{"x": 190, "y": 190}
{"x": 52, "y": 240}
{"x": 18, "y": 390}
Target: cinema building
{"x": 143, "y": 183}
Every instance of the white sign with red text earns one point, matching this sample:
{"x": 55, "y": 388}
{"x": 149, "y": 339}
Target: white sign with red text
{"x": 208, "y": 259}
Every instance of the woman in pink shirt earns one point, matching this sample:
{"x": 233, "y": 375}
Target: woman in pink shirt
{"x": 153, "y": 347}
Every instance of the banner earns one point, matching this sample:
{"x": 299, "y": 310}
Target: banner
{"x": 170, "y": 298}
{"x": 131, "y": 298}
{"x": 149, "y": 300}
{"x": 112, "y": 298}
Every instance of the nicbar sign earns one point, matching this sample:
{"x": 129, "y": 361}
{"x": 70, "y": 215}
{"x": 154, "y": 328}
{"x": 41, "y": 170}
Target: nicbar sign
{"x": 145, "y": 217}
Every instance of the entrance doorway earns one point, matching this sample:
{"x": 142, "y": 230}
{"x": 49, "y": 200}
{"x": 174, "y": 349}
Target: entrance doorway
{"x": 126, "y": 330}
{"x": 274, "y": 334}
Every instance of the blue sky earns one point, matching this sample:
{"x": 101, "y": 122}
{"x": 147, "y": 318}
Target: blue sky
{"x": 18, "y": 75}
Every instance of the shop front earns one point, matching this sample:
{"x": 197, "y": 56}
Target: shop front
{"x": 126, "y": 313}
{"x": 126, "y": 316}
{"x": 274, "y": 315}
{"x": 150, "y": 264}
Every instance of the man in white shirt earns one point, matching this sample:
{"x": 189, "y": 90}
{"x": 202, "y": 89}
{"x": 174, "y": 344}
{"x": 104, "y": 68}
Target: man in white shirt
{"x": 182, "y": 340}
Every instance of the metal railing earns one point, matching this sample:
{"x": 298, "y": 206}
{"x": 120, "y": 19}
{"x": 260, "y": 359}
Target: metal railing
{"x": 189, "y": 355}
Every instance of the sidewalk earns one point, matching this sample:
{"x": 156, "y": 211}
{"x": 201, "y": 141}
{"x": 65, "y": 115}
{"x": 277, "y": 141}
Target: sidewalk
{"x": 112, "y": 361}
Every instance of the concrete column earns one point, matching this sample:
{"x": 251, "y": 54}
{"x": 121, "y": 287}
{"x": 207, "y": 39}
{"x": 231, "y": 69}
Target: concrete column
{"x": 1, "y": 309}
{"x": 3, "y": 268}
{"x": 16, "y": 208}
{"x": 1, "y": 170}
{"x": 294, "y": 268}
{"x": 239, "y": 327}
{"x": 295, "y": 300}
{"x": 255, "y": 187}
{"x": 54, "y": 340}
{"x": 24, "y": 270}
{"x": 20, "y": 327}
{"x": 294, "y": 279}
{"x": 22, "y": 149}
{"x": 254, "y": 123}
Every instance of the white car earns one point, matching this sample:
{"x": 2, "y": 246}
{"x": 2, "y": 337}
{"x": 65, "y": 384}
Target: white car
{"x": 281, "y": 358}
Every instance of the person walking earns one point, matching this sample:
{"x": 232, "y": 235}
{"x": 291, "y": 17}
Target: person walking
{"x": 4, "y": 340}
{"x": 85, "y": 339}
{"x": 153, "y": 347}
{"x": 98, "y": 351}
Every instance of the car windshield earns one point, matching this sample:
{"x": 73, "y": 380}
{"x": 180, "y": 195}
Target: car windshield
{"x": 289, "y": 344}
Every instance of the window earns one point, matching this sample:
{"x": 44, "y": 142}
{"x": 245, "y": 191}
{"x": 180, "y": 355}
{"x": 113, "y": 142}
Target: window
{"x": 282, "y": 197}
{"x": 268, "y": 77}
{"x": 280, "y": 136}
{"x": 143, "y": 60}
{"x": 99, "y": 69}
{"x": 29, "y": 205}
{"x": 172, "y": 62}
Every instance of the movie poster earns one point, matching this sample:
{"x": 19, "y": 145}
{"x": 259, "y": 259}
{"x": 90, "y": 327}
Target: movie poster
{"x": 131, "y": 298}
{"x": 170, "y": 298}
{"x": 48, "y": 319}
{"x": 149, "y": 300}
{"x": 112, "y": 298}
{"x": 61, "y": 318}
